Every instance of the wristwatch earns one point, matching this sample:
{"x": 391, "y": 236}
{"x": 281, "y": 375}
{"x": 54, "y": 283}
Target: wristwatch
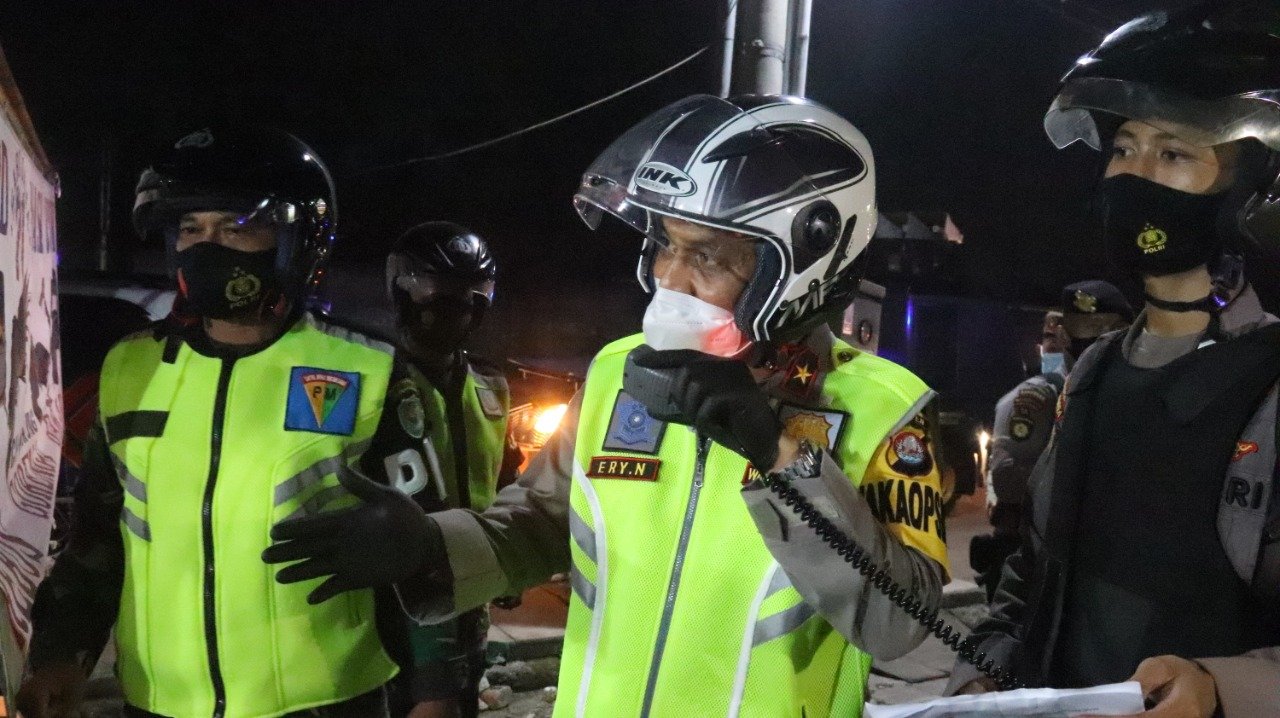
{"x": 807, "y": 465}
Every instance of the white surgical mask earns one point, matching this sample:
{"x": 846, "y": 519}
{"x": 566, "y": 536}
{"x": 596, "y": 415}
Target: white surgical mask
{"x": 675, "y": 320}
{"x": 1053, "y": 363}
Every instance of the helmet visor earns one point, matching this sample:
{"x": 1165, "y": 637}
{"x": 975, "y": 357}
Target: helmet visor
{"x": 1201, "y": 122}
{"x": 711, "y": 161}
{"x": 424, "y": 287}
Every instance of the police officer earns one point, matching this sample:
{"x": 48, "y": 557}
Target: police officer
{"x": 1024, "y": 416}
{"x": 237, "y": 411}
{"x": 440, "y": 277}
{"x": 695, "y": 591}
{"x": 1148, "y": 553}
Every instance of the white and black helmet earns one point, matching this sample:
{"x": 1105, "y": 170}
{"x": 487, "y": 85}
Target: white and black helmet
{"x": 785, "y": 170}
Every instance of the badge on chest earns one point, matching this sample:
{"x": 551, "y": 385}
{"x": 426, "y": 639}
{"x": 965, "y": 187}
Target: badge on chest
{"x": 323, "y": 401}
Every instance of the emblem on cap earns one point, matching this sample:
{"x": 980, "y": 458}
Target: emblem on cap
{"x": 1085, "y": 302}
{"x": 1152, "y": 240}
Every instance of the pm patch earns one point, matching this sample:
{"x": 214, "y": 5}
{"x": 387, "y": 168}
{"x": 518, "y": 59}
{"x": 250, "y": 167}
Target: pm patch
{"x": 623, "y": 467}
{"x": 322, "y": 401}
{"x": 821, "y": 428}
{"x": 631, "y": 429}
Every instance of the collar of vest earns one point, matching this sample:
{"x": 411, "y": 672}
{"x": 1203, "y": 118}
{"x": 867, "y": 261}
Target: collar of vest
{"x": 1246, "y": 365}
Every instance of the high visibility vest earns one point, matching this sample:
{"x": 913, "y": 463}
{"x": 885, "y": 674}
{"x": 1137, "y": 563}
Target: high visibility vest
{"x": 677, "y": 607}
{"x": 486, "y": 401}
{"x": 211, "y": 453}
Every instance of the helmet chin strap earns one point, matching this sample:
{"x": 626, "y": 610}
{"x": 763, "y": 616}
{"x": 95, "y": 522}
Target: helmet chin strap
{"x": 1211, "y": 303}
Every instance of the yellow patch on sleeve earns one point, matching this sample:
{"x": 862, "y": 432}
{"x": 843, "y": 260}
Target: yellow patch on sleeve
{"x": 903, "y": 487}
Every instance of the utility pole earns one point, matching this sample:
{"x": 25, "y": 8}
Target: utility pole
{"x": 798, "y": 52}
{"x": 760, "y": 47}
{"x": 766, "y": 47}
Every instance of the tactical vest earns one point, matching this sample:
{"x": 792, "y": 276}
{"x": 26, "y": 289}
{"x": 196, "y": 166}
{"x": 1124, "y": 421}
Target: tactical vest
{"x": 485, "y": 402}
{"x": 212, "y": 453}
{"x": 678, "y": 608}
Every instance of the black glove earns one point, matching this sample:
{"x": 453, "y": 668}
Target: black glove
{"x": 716, "y": 396}
{"x": 386, "y": 539}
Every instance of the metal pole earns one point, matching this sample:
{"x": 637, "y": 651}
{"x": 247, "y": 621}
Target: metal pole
{"x": 760, "y": 47}
{"x": 798, "y": 59}
{"x": 726, "y": 68}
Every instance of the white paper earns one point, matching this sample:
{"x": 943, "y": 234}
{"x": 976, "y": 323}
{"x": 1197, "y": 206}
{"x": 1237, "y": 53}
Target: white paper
{"x": 1114, "y": 699}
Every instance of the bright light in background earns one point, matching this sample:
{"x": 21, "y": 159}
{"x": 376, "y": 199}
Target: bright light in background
{"x": 549, "y": 418}
{"x": 984, "y": 440}
{"x": 911, "y": 316}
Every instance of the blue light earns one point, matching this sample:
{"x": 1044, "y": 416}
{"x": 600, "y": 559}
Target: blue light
{"x": 911, "y": 314}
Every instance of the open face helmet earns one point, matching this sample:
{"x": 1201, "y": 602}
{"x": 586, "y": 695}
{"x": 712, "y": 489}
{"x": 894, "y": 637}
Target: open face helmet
{"x": 1209, "y": 74}
{"x": 258, "y": 172}
{"x": 786, "y": 171}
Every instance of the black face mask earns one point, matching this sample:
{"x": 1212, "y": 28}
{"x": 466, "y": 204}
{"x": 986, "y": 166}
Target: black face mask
{"x": 436, "y": 328}
{"x": 1153, "y": 230}
{"x": 218, "y": 282}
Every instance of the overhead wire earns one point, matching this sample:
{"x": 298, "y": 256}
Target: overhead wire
{"x": 544, "y": 123}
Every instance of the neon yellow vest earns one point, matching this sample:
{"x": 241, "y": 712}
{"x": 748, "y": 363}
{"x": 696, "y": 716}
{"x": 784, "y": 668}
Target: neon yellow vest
{"x": 485, "y": 403}
{"x": 178, "y": 612}
{"x": 678, "y": 609}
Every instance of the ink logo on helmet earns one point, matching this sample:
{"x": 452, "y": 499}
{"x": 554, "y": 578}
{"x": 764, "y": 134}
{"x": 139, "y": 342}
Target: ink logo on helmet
{"x": 198, "y": 139}
{"x": 664, "y": 179}
{"x": 1152, "y": 240}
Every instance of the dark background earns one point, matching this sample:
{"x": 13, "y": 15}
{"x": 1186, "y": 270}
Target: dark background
{"x": 950, "y": 93}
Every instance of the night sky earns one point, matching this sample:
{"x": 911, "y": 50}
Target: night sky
{"x": 950, "y": 93}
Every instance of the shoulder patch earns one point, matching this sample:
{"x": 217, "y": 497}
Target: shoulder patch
{"x": 323, "y": 401}
{"x": 490, "y": 403}
{"x": 908, "y": 453}
{"x": 631, "y": 428}
{"x": 821, "y": 427}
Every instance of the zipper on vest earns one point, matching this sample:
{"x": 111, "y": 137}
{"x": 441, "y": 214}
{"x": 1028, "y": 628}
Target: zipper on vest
{"x": 664, "y": 626}
{"x": 206, "y": 528}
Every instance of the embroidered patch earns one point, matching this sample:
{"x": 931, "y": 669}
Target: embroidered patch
{"x": 623, "y": 467}
{"x": 908, "y": 454}
{"x": 1243, "y": 449}
{"x": 800, "y": 367}
{"x": 413, "y": 418}
{"x": 751, "y": 474}
{"x": 1021, "y": 427}
{"x": 631, "y": 428}
{"x": 821, "y": 428}
{"x": 322, "y": 400}
{"x": 490, "y": 403}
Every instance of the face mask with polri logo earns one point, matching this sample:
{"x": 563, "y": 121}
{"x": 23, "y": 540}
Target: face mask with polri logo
{"x": 675, "y": 320}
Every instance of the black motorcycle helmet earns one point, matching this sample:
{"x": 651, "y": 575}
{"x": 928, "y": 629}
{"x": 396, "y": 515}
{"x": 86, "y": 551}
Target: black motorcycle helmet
{"x": 257, "y": 171}
{"x": 1210, "y": 74}
{"x": 444, "y": 266}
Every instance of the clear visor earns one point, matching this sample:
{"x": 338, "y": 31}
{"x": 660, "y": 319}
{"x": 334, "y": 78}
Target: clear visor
{"x": 423, "y": 287}
{"x": 668, "y": 163}
{"x": 1203, "y": 123}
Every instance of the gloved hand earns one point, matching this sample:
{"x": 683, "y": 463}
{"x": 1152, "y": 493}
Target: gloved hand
{"x": 385, "y": 539}
{"x": 716, "y": 396}
{"x": 52, "y": 691}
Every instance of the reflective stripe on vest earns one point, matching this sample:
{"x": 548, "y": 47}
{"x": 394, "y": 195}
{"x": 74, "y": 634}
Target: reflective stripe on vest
{"x": 677, "y": 607}
{"x": 276, "y": 653}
